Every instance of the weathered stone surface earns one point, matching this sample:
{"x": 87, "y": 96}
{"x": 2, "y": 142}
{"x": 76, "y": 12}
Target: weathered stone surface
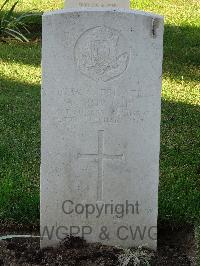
{"x": 101, "y": 125}
{"x": 97, "y": 3}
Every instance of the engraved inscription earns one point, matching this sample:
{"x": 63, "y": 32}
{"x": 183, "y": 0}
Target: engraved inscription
{"x": 98, "y": 3}
{"x": 98, "y": 54}
{"x": 107, "y": 108}
{"x": 100, "y": 157}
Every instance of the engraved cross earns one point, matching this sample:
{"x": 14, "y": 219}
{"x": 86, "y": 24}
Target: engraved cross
{"x": 100, "y": 157}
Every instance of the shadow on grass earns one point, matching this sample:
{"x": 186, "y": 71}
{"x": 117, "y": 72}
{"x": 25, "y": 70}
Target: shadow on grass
{"x": 179, "y": 194}
{"x": 19, "y": 150}
{"x": 21, "y": 53}
{"x": 24, "y": 53}
{"x": 33, "y": 22}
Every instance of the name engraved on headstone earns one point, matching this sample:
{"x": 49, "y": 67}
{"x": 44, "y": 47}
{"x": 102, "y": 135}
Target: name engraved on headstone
{"x": 109, "y": 108}
{"x": 112, "y": 110}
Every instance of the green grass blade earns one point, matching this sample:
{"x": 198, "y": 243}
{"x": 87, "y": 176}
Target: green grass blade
{"x": 1, "y": 8}
{"x": 17, "y": 34}
{"x": 9, "y": 14}
{"x": 26, "y": 15}
{"x": 13, "y": 35}
{"x": 14, "y": 24}
{"x": 4, "y": 23}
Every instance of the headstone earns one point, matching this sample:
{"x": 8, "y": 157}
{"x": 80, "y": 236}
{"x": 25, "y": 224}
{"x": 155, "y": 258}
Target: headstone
{"x": 97, "y": 3}
{"x": 101, "y": 105}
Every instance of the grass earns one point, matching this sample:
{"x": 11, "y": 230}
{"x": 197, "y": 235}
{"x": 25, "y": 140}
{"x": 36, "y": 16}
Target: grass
{"x": 20, "y": 131}
{"x": 179, "y": 195}
{"x": 38, "y": 5}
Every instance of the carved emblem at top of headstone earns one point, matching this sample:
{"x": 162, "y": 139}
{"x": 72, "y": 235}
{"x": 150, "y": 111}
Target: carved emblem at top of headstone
{"x": 99, "y": 53}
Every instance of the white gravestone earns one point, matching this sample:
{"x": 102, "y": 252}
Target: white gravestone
{"x": 101, "y": 101}
{"x": 97, "y": 3}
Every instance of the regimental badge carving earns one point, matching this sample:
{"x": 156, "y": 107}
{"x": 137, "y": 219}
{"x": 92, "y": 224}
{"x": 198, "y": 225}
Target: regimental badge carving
{"x": 99, "y": 53}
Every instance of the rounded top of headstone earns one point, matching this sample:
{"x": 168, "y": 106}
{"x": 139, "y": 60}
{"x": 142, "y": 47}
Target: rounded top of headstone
{"x": 105, "y": 9}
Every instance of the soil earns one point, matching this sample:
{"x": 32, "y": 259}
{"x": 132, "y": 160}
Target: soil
{"x": 176, "y": 246}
